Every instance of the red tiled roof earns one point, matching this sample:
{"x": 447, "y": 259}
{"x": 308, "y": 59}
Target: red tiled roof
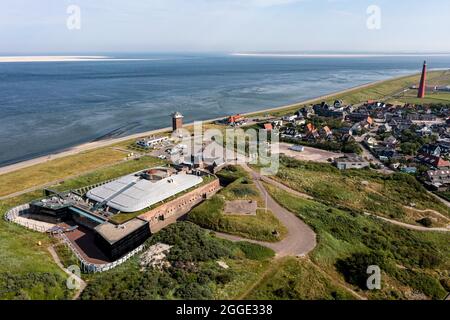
{"x": 437, "y": 162}
{"x": 310, "y": 127}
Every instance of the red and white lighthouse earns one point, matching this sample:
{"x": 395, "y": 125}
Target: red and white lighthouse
{"x": 423, "y": 81}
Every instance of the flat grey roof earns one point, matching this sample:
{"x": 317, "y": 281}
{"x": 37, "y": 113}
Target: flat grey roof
{"x": 113, "y": 233}
{"x": 350, "y": 158}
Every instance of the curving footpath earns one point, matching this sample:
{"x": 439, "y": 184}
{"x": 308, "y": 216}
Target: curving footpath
{"x": 407, "y": 225}
{"x": 81, "y": 282}
{"x": 300, "y": 238}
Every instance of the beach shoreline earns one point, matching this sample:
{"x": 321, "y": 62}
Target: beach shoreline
{"x": 335, "y": 55}
{"x": 29, "y": 59}
{"x": 108, "y": 142}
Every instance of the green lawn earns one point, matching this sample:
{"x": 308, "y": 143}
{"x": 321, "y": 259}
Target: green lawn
{"x": 430, "y": 98}
{"x": 410, "y": 261}
{"x": 58, "y": 169}
{"x": 27, "y": 270}
{"x": 210, "y": 214}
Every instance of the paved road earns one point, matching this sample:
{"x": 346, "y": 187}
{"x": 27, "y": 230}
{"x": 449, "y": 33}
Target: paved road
{"x": 300, "y": 238}
{"x": 368, "y": 155}
{"x": 445, "y": 202}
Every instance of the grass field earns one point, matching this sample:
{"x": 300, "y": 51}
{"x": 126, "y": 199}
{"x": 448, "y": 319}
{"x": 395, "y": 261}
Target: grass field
{"x": 58, "y": 169}
{"x": 430, "y": 98}
{"x": 414, "y": 264}
{"x": 27, "y": 270}
{"x": 358, "y": 190}
{"x": 260, "y": 227}
{"x": 295, "y": 279}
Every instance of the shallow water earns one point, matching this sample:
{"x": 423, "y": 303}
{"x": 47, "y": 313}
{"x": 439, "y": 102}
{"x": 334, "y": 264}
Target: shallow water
{"x": 47, "y": 107}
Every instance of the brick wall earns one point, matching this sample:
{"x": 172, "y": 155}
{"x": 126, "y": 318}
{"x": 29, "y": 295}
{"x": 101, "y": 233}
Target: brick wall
{"x": 182, "y": 205}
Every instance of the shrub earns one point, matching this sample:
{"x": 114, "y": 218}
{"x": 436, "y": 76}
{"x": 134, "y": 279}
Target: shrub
{"x": 354, "y": 268}
{"x": 426, "y": 222}
{"x": 191, "y": 243}
{"x": 255, "y": 252}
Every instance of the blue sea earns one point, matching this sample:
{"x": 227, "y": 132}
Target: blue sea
{"x": 46, "y": 107}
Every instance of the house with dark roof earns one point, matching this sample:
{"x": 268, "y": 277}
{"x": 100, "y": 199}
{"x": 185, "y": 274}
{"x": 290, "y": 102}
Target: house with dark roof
{"x": 431, "y": 149}
{"x": 351, "y": 161}
{"x": 433, "y": 161}
{"x": 438, "y": 179}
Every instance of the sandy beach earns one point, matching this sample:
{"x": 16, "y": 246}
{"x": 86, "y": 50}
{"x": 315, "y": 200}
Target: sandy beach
{"x": 22, "y": 59}
{"x": 104, "y": 143}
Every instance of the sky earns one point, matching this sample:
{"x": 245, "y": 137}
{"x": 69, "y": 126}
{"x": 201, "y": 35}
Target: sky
{"x": 30, "y": 26}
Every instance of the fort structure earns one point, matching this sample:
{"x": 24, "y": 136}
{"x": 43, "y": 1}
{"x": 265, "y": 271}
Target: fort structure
{"x": 176, "y": 208}
{"x": 152, "y": 198}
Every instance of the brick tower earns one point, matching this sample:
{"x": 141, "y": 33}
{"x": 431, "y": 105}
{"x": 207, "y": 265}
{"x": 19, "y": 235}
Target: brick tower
{"x": 423, "y": 82}
{"x": 177, "y": 121}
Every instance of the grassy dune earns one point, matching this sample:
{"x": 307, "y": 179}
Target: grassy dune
{"x": 359, "y": 191}
{"x": 58, "y": 169}
{"x": 210, "y": 213}
{"x": 414, "y": 264}
{"x": 294, "y": 279}
{"x": 27, "y": 270}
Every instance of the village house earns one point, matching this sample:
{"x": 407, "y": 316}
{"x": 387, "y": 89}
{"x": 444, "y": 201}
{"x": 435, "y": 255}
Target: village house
{"x": 370, "y": 141}
{"x": 351, "y": 161}
{"x": 421, "y": 117}
{"x": 324, "y": 110}
{"x": 290, "y": 118}
{"x": 390, "y": 142}
{"x": 357, "y": 116}
{"x": 431, "y": 149}
{"x": 433, "y": 161}
{"x": 424, "y": 131}
{"x": 384, "y": 128}
{"x": 438, "y": 180}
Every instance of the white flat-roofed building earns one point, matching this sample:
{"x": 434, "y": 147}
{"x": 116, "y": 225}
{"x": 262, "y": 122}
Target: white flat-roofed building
{"x": 151, "y": 142}
{"x": 132, "y": 193}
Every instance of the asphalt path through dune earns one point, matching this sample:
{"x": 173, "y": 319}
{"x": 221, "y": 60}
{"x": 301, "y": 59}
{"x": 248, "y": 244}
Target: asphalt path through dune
{"x": 300, "y": 238}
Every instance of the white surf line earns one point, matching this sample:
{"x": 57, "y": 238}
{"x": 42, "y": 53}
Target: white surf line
{"x": 336, "y": 55}
{"x": 28, "y": 59}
